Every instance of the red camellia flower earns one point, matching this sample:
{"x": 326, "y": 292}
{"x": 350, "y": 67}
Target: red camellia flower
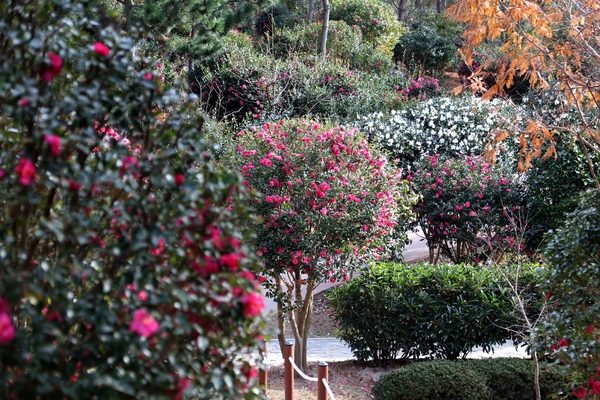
{"x": 54, "y": 143}
{"x": 56, "y": 64}
{"x": 101, "y": 49}
{"x": 253, "y": 304}
{"x": 179, "y": 179}
{"x": 26, "y": 171}
{"x": 2, "y": 174}
{"x": 23, "y": 102}
{"x": 579, "y": 392}
{"x": 143, "y": 323}
{"x": 563, "y": 343}
{"x": 74, "y": 186}
{"x": 7, "y": 330}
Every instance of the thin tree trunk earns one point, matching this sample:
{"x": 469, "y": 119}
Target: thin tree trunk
{"x": 191, "y": 60}
{"x": 438, "y": 6}
{"x": 324, "y": 31}
{"x": 311, "y": 11}
{"x": 536, "y": 376}
{"x": 128, "y": 5}
{"x": 280, "y": 321}
{"x": 402, "y": 10}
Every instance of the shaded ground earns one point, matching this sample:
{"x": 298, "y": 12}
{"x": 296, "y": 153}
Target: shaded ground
{"x": 348, "y": 380}
{"x": 322, "y": 322}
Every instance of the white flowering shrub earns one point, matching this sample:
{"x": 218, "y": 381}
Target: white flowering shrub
{"x": 442, "y": 125}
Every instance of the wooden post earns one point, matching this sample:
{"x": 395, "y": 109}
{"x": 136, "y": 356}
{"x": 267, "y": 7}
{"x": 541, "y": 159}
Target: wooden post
{"x": 322, "y": 374}
{"x": 288, "y": 352}
{"x": 263, "y": 379}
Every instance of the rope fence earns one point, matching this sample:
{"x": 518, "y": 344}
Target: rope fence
{"x": 322, "y": 379}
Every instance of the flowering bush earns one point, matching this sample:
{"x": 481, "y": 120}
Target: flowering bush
{"x": 123, "y": 274}
{"x": 328, "y": 202}
{"x": 573, "y": 254}
{"x": 420, "y": 89}
{"x": 442, "y": 125}
{"x": 245, "y": 86}
{"x": 468, "y": 209}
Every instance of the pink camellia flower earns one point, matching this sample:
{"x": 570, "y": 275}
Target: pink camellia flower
{"x": 7, "y": 330}
{"x": 24, "y": 102}
{"x": 26, "y": 171}
{"x": 143, "y": 323}
{"x": 148, "y": 76}
{"x": 56, "y": 64}
{"x": 54, "y": 143}
{"x": 253, "y": 304}
{"x": 142, "y": 295}
{"x": 2, "y": 174}
{"x": 101, "y": 49}
{"x": 127, "y": 162}
{"x": 231, "y": 261}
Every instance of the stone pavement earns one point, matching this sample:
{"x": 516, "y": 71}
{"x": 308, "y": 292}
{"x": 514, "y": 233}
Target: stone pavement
{"x": 332, "y": 349}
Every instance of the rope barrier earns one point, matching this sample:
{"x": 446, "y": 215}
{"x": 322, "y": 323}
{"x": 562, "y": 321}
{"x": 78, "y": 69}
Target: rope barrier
{"x": 302, "y": 374}
{"x": 328, "y": 389}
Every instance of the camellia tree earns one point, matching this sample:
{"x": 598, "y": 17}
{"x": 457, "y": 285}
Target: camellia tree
{"x": 467, "y": 208}
{"x": 122, "y": 274}
{"x": 553, "y": 44}
{"x": 328, "y": 202}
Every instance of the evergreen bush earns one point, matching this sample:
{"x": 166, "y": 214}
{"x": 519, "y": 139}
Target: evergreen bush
{"x": 123, "y": 274}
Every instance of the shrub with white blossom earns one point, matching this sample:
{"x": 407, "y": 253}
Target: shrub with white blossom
{"x": 443, "y": 125}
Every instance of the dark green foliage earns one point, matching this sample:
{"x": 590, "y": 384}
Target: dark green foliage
{"x": 573, "y": 255}
{"x": 438, "y": 311}
{"x": 428, "y": 47}
{"x": 275, "y": 18}
{"x": 490, "y": 378}
{"x": 552, "y": 189}
{"x": 432, "y": 380}
{"x": 192, "y": 28}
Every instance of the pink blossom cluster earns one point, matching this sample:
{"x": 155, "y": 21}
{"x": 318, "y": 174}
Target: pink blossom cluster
{"x": 7, "y": 329}
{"x": 300, "y": 200}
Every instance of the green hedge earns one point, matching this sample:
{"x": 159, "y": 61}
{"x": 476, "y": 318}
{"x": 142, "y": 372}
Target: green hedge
{"x": 438, "y": 311}
{"x": 485, "y": 379}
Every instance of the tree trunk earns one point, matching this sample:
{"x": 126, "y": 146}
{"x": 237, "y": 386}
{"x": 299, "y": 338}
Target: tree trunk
{"x": 325, "y": 30}
{"x": 299, "y": 319}
{"x": 311, "y": 11}
{"x": 438, "y": 6}
{"x": 128, "y": 13}
{"x": 536, "y": 376}
{"x": 402, "y": 10}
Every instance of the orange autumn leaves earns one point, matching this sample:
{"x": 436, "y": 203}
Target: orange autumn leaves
{"x": 553, "y": 44}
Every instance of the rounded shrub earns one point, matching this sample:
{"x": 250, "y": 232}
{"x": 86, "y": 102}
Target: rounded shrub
{"x": 491, "y": 378}
{"x": 433, "y": 380}
{"x": 124, "y": 274}
{"x": 428, "y": 46}
{"x": 274, "y": 18}
{"x": 424, "y": 310}
{"x": 374, "y": 18}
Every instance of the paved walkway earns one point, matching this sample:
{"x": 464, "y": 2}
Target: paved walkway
{"x": 332, "y": 349}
